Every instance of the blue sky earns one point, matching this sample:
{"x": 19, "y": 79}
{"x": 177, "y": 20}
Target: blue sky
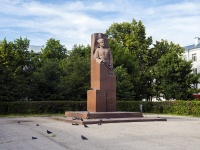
{"x": 73, "y": 21}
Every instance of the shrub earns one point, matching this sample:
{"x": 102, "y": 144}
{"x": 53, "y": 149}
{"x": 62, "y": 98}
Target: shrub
{"x": 53, "y": 107}
{"x": 168, "y": 107}
{"x": 41, "y": 107}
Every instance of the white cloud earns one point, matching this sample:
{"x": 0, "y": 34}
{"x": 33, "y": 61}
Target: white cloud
{"x": 73, "y": 22}
{"x": 177, "y": 23}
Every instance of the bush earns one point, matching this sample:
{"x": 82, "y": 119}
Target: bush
{"x": 167, "y": 107}
{"x": 41, "y": 107}
{"x": 54, "y": 107}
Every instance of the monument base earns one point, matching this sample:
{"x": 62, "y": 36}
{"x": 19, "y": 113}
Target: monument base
{"x": 101, "y": 100}
{"x": 84, "y": 117}
{"x": 97, "y": 115}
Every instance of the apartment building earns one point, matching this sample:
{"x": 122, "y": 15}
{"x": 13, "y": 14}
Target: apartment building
{"x": 192, "y": 52}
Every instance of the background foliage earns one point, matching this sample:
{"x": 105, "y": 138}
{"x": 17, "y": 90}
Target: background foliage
{"x": 143, "y": 69}
{"x": 53, "y": 107}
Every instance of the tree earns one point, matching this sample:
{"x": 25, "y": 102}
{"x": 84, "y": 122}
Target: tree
{"x": 75, "y": 80}
{"x": 14, "y": 79}
{"x": 46, "y": 80}
{"x": 47, "y": 72}
{"x": 153, "y": 69}
{"x": 130, "y": 48}
{"x": 124, "y": 84}
{"x": 54, "y": 49}
{"x": 173, "y": 74}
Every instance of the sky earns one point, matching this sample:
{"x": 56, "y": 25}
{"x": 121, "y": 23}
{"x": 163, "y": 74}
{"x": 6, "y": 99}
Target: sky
{"x": 73, "y": 21}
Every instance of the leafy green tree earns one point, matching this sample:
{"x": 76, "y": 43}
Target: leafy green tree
{"x": 47, "y": 71}
{"x": 130, "y": 48}
{"x": 46, "y": 81}
{"x": 124, "y": 84}
{"x": 75, "y": 80}
{"x": 173, "y": 74}
{"x": 14, "y": 78}
{"x": 54, "y": 49}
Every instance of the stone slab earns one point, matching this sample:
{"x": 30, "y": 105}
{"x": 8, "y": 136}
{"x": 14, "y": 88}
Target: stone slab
{"x": 110, "y": 120}
{"x": 95, "y": 115}
{"x": 96, "y": 100}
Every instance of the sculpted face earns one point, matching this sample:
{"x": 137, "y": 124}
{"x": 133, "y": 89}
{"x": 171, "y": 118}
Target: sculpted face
{"x": 101, "y": 42}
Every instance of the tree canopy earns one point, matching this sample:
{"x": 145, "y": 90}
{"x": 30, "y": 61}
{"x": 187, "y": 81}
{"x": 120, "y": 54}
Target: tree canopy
{"x": 143, "y": 69}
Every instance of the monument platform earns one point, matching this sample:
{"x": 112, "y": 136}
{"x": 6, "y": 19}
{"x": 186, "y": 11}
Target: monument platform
{"x": 95, "y": 115}
{"x": 84, "y": 117}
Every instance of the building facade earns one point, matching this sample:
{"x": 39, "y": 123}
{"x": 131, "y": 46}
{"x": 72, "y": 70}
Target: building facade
{"x": 36, "y": 49}
{"x": 192, "y": 52}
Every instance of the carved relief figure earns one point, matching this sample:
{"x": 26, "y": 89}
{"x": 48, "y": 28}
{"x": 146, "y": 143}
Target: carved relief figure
{"x": 102, "y": 96}
{"x": 103, "y": 54}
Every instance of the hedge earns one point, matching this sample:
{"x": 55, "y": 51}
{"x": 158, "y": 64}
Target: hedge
{"x": 59, "y": 107}
{"x": 40, "y": 107}
{"x": 177, "y": 107}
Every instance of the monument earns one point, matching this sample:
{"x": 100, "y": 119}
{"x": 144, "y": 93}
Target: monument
{"x": 102, "y": 96}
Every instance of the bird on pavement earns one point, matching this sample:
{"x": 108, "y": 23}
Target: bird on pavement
{"x": 85, "y": 126}
{"x": 100, "y": 122}
{"x": 33, "y": 138}
{"x": 37, "y": 124}
{"x": 49, "y": 132}
{"x": 81, "y": 119}
{"x": 84, "y": 138}
{"x": 75, "y": 124}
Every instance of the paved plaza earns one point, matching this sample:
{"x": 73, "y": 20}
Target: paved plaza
{"x": 177, "y": 133}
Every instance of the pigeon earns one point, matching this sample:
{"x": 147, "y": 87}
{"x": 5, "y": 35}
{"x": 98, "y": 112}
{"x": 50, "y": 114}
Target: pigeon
{"x": 85, "y": 126}
{"x": 81, "y": 119}
{"x": 37, "y": 124}
{"x": 49, "y": 132}
{"x": 100, "y": 122}
{"x": 75, "y": 124}
{"x": 18, "y": 121}
{"x": 84, "y": 138}
{"x": 33, "y": 138}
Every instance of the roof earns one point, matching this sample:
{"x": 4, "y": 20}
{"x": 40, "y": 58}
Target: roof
{"x": 193, "y": 46}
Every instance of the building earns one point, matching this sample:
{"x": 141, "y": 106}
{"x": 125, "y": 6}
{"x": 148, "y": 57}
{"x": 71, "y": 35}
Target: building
{"x": 35, "y": 48}
{"x": 192, "y": 52}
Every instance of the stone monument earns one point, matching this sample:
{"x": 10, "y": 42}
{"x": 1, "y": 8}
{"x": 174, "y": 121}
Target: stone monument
{"x": 102, "y": 96}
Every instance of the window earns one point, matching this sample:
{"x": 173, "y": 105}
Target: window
{"x": 185, "y": 57}
{"x": 195, "y": 86}
{"x": 194, "y": 57}
{"x": 194, "y": 70}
